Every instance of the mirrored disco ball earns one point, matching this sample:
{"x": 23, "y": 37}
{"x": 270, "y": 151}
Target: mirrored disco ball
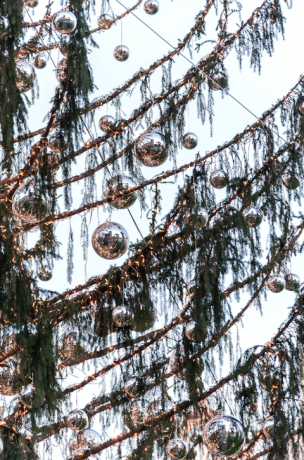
{"x": 122, "y": 316}
{"x": 30, "y": 3}
{"x": 224, "y": 436}
{"x": 7, "y": 384}
{"x": 268, "y": 427}
{"x": 219, "y": 179}
{"x": 301, "y": 108}
{"x": 29, "y": 205}
{"x": 196, "y": 436}
{"x": 121, "y": 183}
{"x": 121, "y": 53}
{"x": 137, "y": 410}
{"x": 107, "y": 123}
{"x": 65, "y": 22}
{"x": 110, "y": 240}
{"x": 292, "y": 282}
{"x": 218, "y": 82}
{"x": 290, "y": 181}
{"x": 191, "y": 287}
{"x": 276, "y": 283}
{"x": 253, "y": 216}
{"x": 151, "y": 6}
{"x": 151, "y": 149}
{"x": 105, "y": 21}
{"x": 190, "y": 141}
{"x": 4, "y": 25}
{"x": 157, "y": 409}
{"x": 77, "y": 420}
{"x": 25, "y": 432}
{"x": 192, "y": 332}
{"x": 44, "y": 272}
{"x": 26, "y": 395}
{"x": 176, "y": 449}
{"x": 57, "y": 142}
{"x": 84, "y": 440}
{"x": 134, "y": 387}
{"x": 25, "y": 76}
{"x": 40, "y": 61}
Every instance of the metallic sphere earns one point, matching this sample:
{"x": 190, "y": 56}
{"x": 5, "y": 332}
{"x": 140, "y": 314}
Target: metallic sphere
{"x": 84, "y": 440}
{"x": 276, "y": 283}
{"x": 107, "y": 123}
{"x": 57, "y": 142}
{"x": 196, "y": 436}
{"x": 301, "y": 108}
{"x": 253, "y": 216}
{"x": 121, "y": 183}
{"x": 65, "y": 22}
{"x": 218, "y": 82}
{"x": 29, "y": 205}
{"x": 63, "y": 64}
{"x": 134, "y": 387}
{"x": 61, "y": 76}
{"x": 26, "y": 395}
{"x": 25, "y": 432}
{"x": 64, "y": 46}
{"x": 77, "y": 420}
{"x": 137, "y": 410}
{"x": 25, "y": 76}
{"x": 44, "y": 272}
{"x": 290, "y": 181}
{"x": 151, "y": 149}
{"x": 121, "y": 53}
{"x": 151, "y": 6}
{"x": 268, "y": 427}
{"x": 292, "y": 282}
{"x": 4, "y": 25}
{"x": 192, "y": 333}
{"x": 219, "y": 179}
{"x": 191, "y": 287}
{"x": 202, "y": 218}
{"x": 105, "y": 21}
{"x": 176, "y": 449}
{"x": 224, "y": 436}
{"x": 40, "y": 61}
{"x": 190, "y": 141}
{"x": 110, "y": 240}
{"x": 122, "y": 316}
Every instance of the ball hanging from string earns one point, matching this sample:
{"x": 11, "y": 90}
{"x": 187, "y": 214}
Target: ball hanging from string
{"x": 191, "y": 287}
{"x": 84, "y": 440}
{"x": 190, "y": 141}
{"x": 268, "y": 427}
{"x": 121, "y": 53}
{"x": 253, "y": 216}
{"x": 65, "y": 22}
{"x": 137, "y": 410}
{"x": 290, "y": 181}
{"x": 110, "y": 240}
{"x": 224, "y": 436}
{"x": 64, "y": 46}
{"x": 40, "y": 61}
{"x": 176, "y": 449}
{"x": 301, "y": 108}
{"x": 219, "y": 81}
{"x": 157, "y": 409}
{"x": 292, "y": 282}
{"x": 105, "y": 21}
{"x": 57, "y": 142}
{"x": 77, "y": 420}
{"x": 4, "y": 25}
{"x": 201, "y": 218}
{"x": 151, "y": 7}
{"x": 25, "y": 432}
{"x": 151, "y": 149}
{"x": 29, "y": 205}
{"x": 26, "y": 395}
{"x": 25, "y": 76}
{"x": 122, "y": 316}
{"x": 276, "y": 283}
{"x": 121, "y": 183}
{"x": 107, "y": 123}
{"x": 196, "y": 436}
{"x": 219, "y": 179}
{"x": 193, "y": 333}
{"x": 134, "y": 387}
{"x": 44, "y": 272}
{"x": 30, "y": 3}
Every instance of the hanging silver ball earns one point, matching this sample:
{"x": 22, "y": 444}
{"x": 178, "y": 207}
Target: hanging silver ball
{"x": 122, "y": 316}
{"x": 65, "y": 22}
{"x": 151, "y": 6}
{"x": 137, "y": 410}
{"x": 121, "y": 53}
{"x": 64, "y": 45}
{"x": 25, "y": 432}
{"x": 219, "y": 179}
{"x": 84, "y": 440}
{"x": 30, "y": 3}
{"x": 219, "y": 81}
{"x": 40, "y": 61}
{"x": 110, "y": 240}
{"x": 63, "y": 64}
{"x": 107, "y": 123}
{"x": 134, "y": 387}
{"x": 4, "y": 25}
{"x": 192, "y": 333}
{"x": 253, "y": 216}
{"x": 224, "y": 436}
{"x": 121, "y": 183}
{"x": 301, "y": 108}
{"x": 7, "y": 380}
{"x": 25, "y": 76}
{"x": 202, "y": 218}
{"x": 105, "y": 21}
{"x": 151, "y": 149}
{"x": 44, "y": 272}
{"x": 26, "y": 395}
{"x": 268, "y": 427}
{"x": 29, "y": 205}
{"x": 77, "y": 420}
{"x": 292, "y": 282}
{"x": 290, "y": 181}
{"x": 61, "y": 76}
{"x": 190, "y": 141}
{"x": 191, "y": 287}
{"x": 157, "y": 409}
{"x": 176, "y": 449}
{"x": 57, "y": 142}
{"x": 196, "y": 436}
{"x": 276, "y": 283}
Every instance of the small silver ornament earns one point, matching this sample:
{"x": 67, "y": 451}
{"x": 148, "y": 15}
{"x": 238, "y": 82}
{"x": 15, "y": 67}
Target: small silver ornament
{"x": 77, "y": 420}
{"x": 25, "y": 76}
{"x": 25, "y": 432}
{"x": 176, "y": 449}
{"x": 26, "y": 395}
{"x": 192, "y": 332}
{"x": 292, "y": 282}
{"x": 57, "y": 142}
{"x": 44, "y": 272}
{"x": 40, "y": 61}
{"x": 105, "y": 21}
{"x": 201, "y": 218}
{"x": 63, "y": 64}
{"x": 276, "y": 283}
{"x": 219, "y": 179}
{"x": 190, "y": 141}
{"x": 224, "y": 436}
{"x": 107, "y": 123}
{"x": 65, "y": 22}
{"x": 110, "y": 240}
{"x": 30, "y": 3}
{"x": 61, "y": 76}
{"x": 219, "y": 81}
{"x": 134, "y": 387}
{"x": 137, "y": 410}
{"x": 290, "y": 181}
{"x": 191, "y": 287}
{"x": 268, "y": 427}
{"x": 196, "y": 436}
{"x": 253, "y": 216}
{"x": 121, "y": 53}
{"x": 121, "y": 183}
{"x": 84, "y": 440}
{"x": 64, "y": 46}
{"x": 301, "y": 108}
{"x": 157, "y": 409}
{"x": 151, "y": 149}
{"x": 29, "y": 205}
{"x": 122, "y": 316}
{"x": 151, "y": 6}
{"x": 4, "y": 25}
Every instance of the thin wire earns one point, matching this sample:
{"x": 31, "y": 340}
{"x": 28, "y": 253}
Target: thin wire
{"x": 40, "y": 38}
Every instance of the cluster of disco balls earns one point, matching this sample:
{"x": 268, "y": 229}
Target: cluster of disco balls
{"x": 83, "y": 439}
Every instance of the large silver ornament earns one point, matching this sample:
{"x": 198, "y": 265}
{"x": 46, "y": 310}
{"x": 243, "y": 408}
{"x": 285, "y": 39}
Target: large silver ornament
{"x": 192, "y": 332}
{"x": 105, "y": 21}
{"x": 121, "y": 183}
{"x": 134, "y": 387}
{"x": 40, "y": 61}
{"x": 29, "y": 205}
{"x": 292, "y": 282}
{"x": 301, "y": 108}
{"x": 44, "y": 272}
{"x": 253, "y": 216}
{"x": 26, "y": 395}
{"x": 157, "y": 409}
{"x": 190, "y": 141}
{"x": 276, "y": 283}
{"x": 110, "y": 240}
{"x": 25, "y": 432}
{"x": 77, "y": 420}
{"x": 224, "y": 436}
{"x": 151, "y": 149}
{"x": 107, "y": 123}
{"x": 25, "y": 76}
{"x": 57, "y": 142}
{"x": 4, "y": 25}
{"x": 122, "y": 316}
{"x": 151, "y": 6}
{"x": 219, "y": 179}
{"x": 290, "y": 181}
{"x": 196, "y": 436}
{"x": 268, "y": 427}
{"x": 218, "y": 82}
{"x": 121, "y": 53}
{"x": 191, "y": 287}
{"x": 65, "y": 22}
{"x": 84, "y": 441}
{"x": 137, "y": 410}
{"x": 176, "y": 449}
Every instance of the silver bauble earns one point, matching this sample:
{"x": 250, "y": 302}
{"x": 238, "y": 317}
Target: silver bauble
{"x": 151, "y": 149}
{"x": 219, "y": 81}
{"x": 253, "y": 216}
{"x": 30, "y": 3}
{"x": 65, "y": 22}
{"x": 201, "y": 218}
{"x": 121, "y": 183}
{"x": 77, "y": 420}
{"x": 29, "y": 205}
{"x": 64, "y": 46}
{"x": 292, "y": 282}
{"x": 40, "y": 61}
{"x": 268, "y": 427}
{"x": 110, "y": 240}
{"x": 57, "y": 142}
{"x": 63, "y": 64}
{"x": 190, "y": 141}
{"x": 151, "y": 6}
{"x": 105, "y": 21}
{"x": 61, "y": 76}
{"x": 134, "y": 387}
{"x": 137, "y": 410}
{"x": 276, "y": 283}
{"x": 7, "y": 376}
{"x": 84, "y": 441}
{"x": 290, "y": 181}
{"x": 219, "y": 179}
{"x": 191, "y": 287}
{"x": 301, "y": 108}
{"x": 44, "y": 272}
{"x": 26, "y": 395}
{"x": 25, "y": 432}
{"x": 107, "y": 123}
{"x": 157, "y": 409}
{"x": 121, "y": 53}
{"x": 224, "y": 436}
{"x": 192, "y": 332}
{"x": 176, "y": 449}
{"x": 122, "y": 316}
{"x": 196, "y": 436}
{"x": 4, "y": 25}
{"x": 25, "y": 76}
